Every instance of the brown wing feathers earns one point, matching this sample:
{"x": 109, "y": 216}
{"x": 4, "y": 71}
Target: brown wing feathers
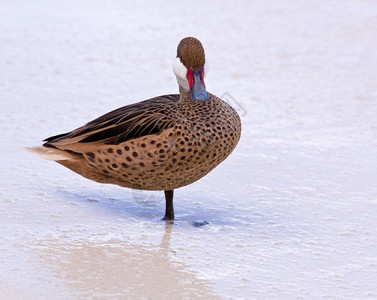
{"x": 128, "y": 122}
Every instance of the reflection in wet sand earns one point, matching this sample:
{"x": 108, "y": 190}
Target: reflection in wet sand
{"x": 118, "y": 269}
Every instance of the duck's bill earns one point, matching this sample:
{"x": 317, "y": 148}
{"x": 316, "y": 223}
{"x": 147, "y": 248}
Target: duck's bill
{"x": 198, "y": 89}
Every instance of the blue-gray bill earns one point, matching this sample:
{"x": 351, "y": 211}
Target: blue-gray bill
{"x": 198, "y": 90}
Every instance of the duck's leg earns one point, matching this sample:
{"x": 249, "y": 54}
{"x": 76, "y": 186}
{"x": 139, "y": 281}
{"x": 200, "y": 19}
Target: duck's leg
{"x": 169, "y": 209}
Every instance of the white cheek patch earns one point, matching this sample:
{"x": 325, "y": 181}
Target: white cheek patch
{"x": 206, "y": 67}
{"x": 180, "y": 72}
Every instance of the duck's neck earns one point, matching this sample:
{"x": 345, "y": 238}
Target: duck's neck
{"x": 184, "y": 94}
{"x": 185, "y": 97}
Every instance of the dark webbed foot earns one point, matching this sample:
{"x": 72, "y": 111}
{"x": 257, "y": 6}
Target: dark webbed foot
{"x": 169, "y": 209}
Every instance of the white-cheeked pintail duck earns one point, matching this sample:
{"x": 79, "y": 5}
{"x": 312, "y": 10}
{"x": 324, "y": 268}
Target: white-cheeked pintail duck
{"x": 163, "y": 143}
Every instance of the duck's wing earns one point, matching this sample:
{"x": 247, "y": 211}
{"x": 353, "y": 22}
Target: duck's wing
{"x": 123, "y": 124}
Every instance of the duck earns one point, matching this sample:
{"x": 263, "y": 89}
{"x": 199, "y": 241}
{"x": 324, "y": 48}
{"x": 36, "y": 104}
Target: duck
{"x": 160, "y": 144}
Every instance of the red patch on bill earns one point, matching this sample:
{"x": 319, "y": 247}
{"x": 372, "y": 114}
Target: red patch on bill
{"x": 190, "y": 78}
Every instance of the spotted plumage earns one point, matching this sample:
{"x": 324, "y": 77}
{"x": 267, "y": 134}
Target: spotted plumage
{"x": 162, "y": 143}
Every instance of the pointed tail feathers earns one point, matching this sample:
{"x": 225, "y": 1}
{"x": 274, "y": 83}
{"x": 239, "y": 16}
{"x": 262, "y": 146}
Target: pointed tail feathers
{"x": 52, "y": 153}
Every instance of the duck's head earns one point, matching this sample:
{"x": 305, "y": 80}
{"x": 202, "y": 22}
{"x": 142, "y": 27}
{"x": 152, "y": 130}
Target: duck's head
{"x": 190, "y": 67}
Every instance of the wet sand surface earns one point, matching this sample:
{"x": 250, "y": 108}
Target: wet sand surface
{"x": 291, "y": 213}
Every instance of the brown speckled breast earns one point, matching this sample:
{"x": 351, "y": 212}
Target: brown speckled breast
{"x": 203, "y": 135}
